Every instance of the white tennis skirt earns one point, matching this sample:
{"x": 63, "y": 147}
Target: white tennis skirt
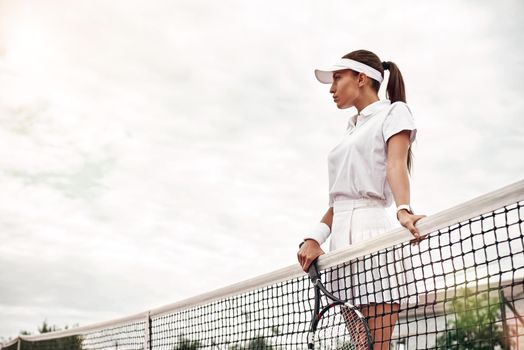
{"x": 381, "y": 277}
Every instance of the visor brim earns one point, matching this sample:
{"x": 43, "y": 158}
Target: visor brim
{"x": 325, "y": 76}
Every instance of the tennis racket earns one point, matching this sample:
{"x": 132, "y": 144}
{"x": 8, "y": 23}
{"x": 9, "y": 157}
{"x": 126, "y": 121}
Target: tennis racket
{"x": 338, "y": 325}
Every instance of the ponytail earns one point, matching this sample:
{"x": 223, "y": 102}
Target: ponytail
{"x": 395, "y": 90}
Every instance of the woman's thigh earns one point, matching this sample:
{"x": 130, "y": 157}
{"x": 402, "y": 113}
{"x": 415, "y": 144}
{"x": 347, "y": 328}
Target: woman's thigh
{"x": 381, "y": 319}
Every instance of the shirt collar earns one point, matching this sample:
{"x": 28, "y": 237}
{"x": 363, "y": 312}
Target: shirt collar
{"x": 367, "y": 112}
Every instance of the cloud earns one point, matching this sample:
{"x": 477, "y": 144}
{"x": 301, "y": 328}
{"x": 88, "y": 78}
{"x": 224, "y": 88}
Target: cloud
{"x": 143, "y": 145}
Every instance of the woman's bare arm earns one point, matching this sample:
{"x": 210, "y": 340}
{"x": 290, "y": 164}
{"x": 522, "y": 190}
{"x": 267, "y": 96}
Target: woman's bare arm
{"x": 328, "y": 217}
{"x": 397, "y": 170}
{"x": 398, "y": 178}
{"x": 310, "y": 250}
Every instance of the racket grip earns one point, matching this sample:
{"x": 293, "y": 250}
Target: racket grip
{"x": 313, "y": 270}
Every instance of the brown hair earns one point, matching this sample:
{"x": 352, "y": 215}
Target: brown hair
{"x": 395, "y": 90}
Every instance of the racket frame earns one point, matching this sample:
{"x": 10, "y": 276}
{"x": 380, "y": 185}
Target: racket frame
{"x": 317, "y": 314}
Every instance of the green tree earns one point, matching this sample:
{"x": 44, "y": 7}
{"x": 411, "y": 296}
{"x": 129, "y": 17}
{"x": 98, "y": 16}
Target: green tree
{"x": 474, "y": 325}
{"x": 186, "y": 344}
{"x": 73, "y": 342}
{"x": 47, "y": 328}
{"x": 259, "y": 342}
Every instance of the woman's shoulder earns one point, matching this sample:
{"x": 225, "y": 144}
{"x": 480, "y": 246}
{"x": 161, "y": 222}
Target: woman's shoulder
{"x": 399, "y": 105}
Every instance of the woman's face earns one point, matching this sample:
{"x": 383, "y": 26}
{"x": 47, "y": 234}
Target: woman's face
{"x": 345, "y": 88}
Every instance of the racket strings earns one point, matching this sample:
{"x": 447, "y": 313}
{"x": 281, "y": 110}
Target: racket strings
{"x": 356, "y": 327}
{"x": 340, "y": 327}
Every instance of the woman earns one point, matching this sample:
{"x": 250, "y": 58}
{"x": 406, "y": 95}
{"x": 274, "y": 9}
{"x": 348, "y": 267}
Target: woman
{"x": 367, "y": 170}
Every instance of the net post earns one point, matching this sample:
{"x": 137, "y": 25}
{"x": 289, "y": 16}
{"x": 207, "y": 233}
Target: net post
{"x": 19, "y": 344}
{"x": 147, "y": 330}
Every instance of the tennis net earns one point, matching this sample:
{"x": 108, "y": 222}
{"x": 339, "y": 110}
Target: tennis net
{"x": 465, "y": 283}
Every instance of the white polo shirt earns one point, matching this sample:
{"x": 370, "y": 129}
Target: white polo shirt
{"x": 357, "y": 165}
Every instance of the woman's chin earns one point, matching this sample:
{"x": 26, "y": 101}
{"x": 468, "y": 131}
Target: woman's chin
{"x": 340, "y": 105}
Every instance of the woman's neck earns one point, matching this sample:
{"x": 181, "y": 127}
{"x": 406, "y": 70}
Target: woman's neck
{"x": 365, "y": 101}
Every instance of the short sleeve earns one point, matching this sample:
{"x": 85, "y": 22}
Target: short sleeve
{"x": 399, "y": 118}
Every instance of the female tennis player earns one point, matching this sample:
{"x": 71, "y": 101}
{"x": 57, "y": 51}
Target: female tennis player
{"x": 368, "y": 169}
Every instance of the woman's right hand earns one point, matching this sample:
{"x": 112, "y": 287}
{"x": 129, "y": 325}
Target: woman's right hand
{"x": 308, "y": 252}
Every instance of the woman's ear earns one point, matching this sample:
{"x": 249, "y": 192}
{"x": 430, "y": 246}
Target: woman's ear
{"x": 362, "y": 79}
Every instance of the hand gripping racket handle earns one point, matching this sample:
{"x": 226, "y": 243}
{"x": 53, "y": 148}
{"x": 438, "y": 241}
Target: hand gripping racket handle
{"x": 313, "y": 269}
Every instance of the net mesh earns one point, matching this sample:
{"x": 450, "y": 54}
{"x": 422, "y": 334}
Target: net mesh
{"x": 460, "y": 288}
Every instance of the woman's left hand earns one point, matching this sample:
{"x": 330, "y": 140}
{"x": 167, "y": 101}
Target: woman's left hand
{"x": 408, "y": 221}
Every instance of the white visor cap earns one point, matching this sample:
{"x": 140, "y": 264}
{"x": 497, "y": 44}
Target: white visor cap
{"x": 326, "y": 75}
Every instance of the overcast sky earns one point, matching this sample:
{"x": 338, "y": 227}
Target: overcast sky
{"x": 152, "y": 151}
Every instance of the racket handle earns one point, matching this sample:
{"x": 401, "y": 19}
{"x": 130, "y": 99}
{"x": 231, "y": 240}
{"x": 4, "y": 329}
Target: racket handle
{"x": 313, "y": 271}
